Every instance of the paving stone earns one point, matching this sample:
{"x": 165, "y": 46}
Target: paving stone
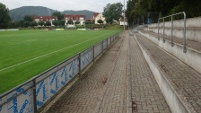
{"x": 145, "y": 91}
{"x": 185, "y": 80}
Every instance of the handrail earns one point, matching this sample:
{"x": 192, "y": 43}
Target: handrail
{"x": 184, "y": 39}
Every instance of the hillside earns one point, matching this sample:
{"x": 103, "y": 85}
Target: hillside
{"x": 19, "y": 13}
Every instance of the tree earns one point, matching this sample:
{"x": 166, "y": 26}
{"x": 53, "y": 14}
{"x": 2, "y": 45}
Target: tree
{"x": 87, "y": 22}
{"x": 70, "y": 21}
{"x": 26, "y": 24}
{"x": 4, "y": 16}
{"x": 62, "y": 22}
{"x": 100, "y": 21}
{"x": 56, "y": 22}
{"x": 77, "y": 22}
{"x": 28, "y": 18}
{"x": 47, "y": 23}
{"x": 112, "y": 12}
{"x": 58, "y": 14}
{"x": 33, "y": 24}
{"x": 14, "y": 24}
{"x": 41, "y": 23}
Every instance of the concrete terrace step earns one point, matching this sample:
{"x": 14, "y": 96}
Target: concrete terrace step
{"x": 179, "y": 83}
{"x": 193, "y": 55}
{"x": 146, "y": 93}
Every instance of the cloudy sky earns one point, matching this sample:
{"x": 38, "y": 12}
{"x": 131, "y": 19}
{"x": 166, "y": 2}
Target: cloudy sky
{"x": 61, "y": 5}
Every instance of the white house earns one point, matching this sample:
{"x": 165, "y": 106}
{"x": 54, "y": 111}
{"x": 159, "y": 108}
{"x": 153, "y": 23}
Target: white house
{"x": 74, "y": 18}
{"x": 45, "y": 19}
{"x": 122, "y": 22}
{"x": 98, "y": 16}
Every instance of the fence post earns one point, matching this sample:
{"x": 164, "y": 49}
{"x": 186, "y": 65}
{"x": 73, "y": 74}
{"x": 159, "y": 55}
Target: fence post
{"x": 107, "y": 42}
{"x": 185, "y": 50}
{"x": 102, "y": 46}
{"x": 93, "y": 53}
{"x": 79, "y": 57}
{"x": 158, "y": 28}
{"x": 163, "y": 30}
{"x": 172, "y": 31}
{"x": 34, "y": 96}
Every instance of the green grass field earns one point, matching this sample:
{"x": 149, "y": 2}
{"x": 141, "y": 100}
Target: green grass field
{"x": 25, "y": 54}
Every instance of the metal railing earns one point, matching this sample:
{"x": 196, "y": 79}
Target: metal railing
{"x": 34, "y": 94}
{"x": 184, "y": 27}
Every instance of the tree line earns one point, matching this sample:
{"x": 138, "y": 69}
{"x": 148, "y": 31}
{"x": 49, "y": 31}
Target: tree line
{"x": 160, "y": 8}
{"x": 28, "y": 20}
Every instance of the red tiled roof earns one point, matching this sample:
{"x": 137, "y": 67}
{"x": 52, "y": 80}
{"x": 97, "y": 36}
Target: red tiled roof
{"x": 95, "y": 14}
{"x": 123, "y": 19}
{"x": 75, "y": 17}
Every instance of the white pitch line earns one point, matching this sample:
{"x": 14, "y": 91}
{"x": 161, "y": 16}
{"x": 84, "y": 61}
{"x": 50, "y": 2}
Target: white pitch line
{"x": 48, "y": 53}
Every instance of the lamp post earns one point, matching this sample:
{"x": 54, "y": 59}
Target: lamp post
{"x": 124, "y": 16}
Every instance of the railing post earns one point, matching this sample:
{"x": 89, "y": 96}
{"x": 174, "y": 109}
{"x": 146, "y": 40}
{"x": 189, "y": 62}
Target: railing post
{"x": 158, "y": 28}
{"x": 163, "y": 30}
{"x": 107, "y": 42}
{"x": 34, "y": 97}
{"x": 184, "y": 50}
{"x": 93, "y": 53}
{"x": 110, "y": 40}
{"x": 79, "y": 57}
{"x": 172, "y": 31}
{"x": 102, "y": 46}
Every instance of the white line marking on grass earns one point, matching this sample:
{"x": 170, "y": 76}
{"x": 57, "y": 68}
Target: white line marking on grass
{"x": 15, "y": 65}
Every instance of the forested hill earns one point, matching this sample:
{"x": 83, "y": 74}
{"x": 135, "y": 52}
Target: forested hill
{"x": 19, "y": 13}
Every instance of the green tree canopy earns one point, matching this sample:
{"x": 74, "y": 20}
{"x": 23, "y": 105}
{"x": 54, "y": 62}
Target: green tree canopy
{"x": 70, "y": 21}
{"x": 33, "y": 24}
{"x": 4, "y": 16}
{"x": 14, "y": 24}
{"x": 41, "y": 23}
{"x": 100, "y": 21}
{"x": 59, "y": 15}
{"x": 47, "y": 23}
{"x": 62, "y": 22}
{"x": 28, "y": 18}
{"x": 56, "y": 22}
{"x": 160, "y": 8}
{"x": 26, "y": 24}
{"x": 113, "y": 12}
{"x": 77, "y": 22}
{"x": 88, "y": 22}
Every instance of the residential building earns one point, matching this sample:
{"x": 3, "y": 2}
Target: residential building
{"x": 121, "y": 22}
{"x": 74, "y": 18}
{"x": 98, "y": 16}
{"x": 45, "y": 18}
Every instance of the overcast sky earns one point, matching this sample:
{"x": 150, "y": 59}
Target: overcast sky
{"x": 61, "y": 5}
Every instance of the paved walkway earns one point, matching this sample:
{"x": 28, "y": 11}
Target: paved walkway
{"x": 106, "y": 87}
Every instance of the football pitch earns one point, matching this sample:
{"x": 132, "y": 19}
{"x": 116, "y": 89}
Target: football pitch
{"x": 25, "y": 54}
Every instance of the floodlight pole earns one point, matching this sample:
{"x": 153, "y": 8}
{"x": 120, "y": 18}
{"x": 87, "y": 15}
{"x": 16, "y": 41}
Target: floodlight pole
{"x": 124, "y": 16}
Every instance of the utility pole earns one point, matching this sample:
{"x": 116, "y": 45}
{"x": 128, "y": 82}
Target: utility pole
{"x": 124, "y": 16}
